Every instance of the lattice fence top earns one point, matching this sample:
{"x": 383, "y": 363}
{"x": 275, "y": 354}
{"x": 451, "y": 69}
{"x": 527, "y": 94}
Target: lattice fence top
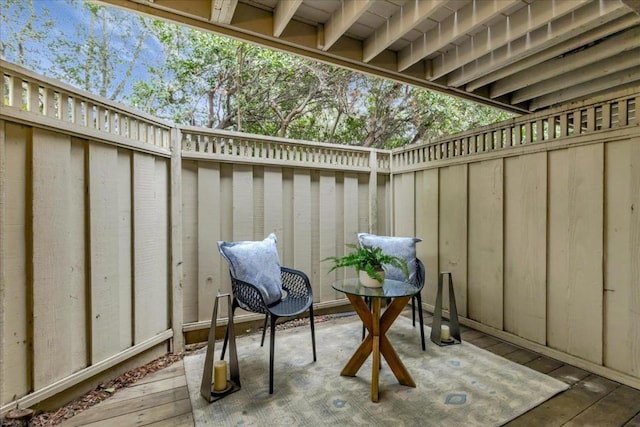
{"x": 239, "y": 147}
{"x": 579, "y": 119}
{"x": 28, "y": 97}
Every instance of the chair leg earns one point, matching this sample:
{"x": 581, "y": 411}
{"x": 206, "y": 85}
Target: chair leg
{"x": 313, "y": 331}
{"x": 264, "y": 329}
{"x": 418, "y": 299}
{"x": 413, "y": 311}
{"x": 272, "y": 340}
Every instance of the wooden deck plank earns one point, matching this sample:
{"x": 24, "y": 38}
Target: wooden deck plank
{"x": 148, "y": 415}
{"x": 567, "y": 405}
{"x": 107, "y": 409}
{"x": 154, "y": 387}
{"x": 521, "y": 356}
{"x": 185, "y": 420}
{"x": 470, "y": 335}
{"x": 485, "y": 341}
{"x": 502, "y": 348}
{"x": 174, "y": 370}
{"x": 569, "y": 374}
{"x": 613, "y": 410}
{"x": 634, "y": 422}
{"x": 544, "y": 364}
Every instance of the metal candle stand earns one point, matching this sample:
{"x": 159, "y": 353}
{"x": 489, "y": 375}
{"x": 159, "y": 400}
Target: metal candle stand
{"x": 454, "y": 326}
{"x": 206, "y": 387}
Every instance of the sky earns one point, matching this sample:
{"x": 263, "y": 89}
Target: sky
{"x": 70, "y": 19}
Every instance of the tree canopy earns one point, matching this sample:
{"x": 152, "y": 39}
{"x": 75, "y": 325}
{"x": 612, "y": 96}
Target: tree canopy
{"x": 201, "y": 79}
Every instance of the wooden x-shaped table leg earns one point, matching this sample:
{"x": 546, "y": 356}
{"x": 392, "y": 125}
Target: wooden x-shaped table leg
{"x": 377, "y": 343}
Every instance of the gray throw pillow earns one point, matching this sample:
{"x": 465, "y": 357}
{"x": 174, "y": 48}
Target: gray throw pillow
{"x": 257, "y": 263}
{"x": 402, "y": 247}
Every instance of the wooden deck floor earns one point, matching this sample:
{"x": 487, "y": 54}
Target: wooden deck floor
{"x": 162, "y": 399}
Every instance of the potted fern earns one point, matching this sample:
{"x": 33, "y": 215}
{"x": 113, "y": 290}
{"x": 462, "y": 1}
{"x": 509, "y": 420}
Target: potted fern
{"x": 368, "y": 262}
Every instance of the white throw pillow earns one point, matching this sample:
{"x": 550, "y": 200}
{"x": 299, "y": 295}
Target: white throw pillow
{"x": 402, "y": 247}
{"x": 256, "y": 262}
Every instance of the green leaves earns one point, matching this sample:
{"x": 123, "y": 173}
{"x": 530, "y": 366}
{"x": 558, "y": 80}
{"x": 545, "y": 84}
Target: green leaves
{"x": 369, "y": 259}
{"x": 202, "y": 79}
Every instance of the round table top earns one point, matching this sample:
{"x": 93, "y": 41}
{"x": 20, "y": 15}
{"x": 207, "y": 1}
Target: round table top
{"x": 390, "y": 288}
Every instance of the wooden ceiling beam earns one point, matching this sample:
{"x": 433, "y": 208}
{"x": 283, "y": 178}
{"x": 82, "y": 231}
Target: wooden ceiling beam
{"x": 584, "y": 19}
{"x": 594, "y": 71}
{"x": 463, "y": 21}
{"x": 398, "y": 25}
{"x": 608, "y": 83}
{"x": 529, "y": 31}
{"x": 285, "y": 9}
{"x": 343, "y": 19}
{"x": 199, "y": 9}
{"x": 634, "y": 5}
{"x": 563, "y": 65}
{"x": 573, "y": 43}
{"x": 222, "y": 10}
{"x": 523, "y": 21}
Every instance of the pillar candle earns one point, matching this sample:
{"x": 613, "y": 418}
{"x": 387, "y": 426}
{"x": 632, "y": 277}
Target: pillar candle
{"x": 444, "y": 333}
{"x": 219, "y": 375}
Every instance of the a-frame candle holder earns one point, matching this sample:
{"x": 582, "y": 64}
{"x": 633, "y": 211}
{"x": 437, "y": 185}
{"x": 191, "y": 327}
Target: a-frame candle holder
{"x": 454, "y": 326}
{"x": 207, "y": 388}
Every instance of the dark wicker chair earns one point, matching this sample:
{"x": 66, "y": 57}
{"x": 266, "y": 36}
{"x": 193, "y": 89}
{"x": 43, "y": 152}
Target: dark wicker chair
{"x": 297, "y": 299}
{"x": 416, "y": 300}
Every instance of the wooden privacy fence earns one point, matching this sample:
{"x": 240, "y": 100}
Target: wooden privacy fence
{"x": 542, "y": 234}
{"x": 110, "y": 219}
{"x": 315, "y": 197}
{"x": 85, "y": 248}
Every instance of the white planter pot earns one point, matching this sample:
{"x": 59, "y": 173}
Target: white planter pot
{"x": 368, "y": 281}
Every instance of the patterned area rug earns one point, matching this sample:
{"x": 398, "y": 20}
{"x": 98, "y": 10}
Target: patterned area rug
{"x": 459, "y": 385}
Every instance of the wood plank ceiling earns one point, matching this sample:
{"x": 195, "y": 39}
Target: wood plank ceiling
{"x": 522, "y": 55}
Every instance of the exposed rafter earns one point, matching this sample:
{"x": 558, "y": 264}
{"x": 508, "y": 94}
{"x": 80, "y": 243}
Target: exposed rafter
{"x": 527, "y": 19}
{"x": 556, "y": 31}
{"x": 585, "y": 74}
{"x": 342, "y": 19}
{"x": 634, "y": 5}
{"x": 619, "y": 79}
{"x": 222, "y": 10}
{"x": 457, "y": 25}
{"x": 202, "y": 10}
{"x": 582, "y": 39}
{"x": 515, "y": 54}
{"x": 412, "y": 14}
{"x": 282, "y": 15}
{"x": 613, "y": 46}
